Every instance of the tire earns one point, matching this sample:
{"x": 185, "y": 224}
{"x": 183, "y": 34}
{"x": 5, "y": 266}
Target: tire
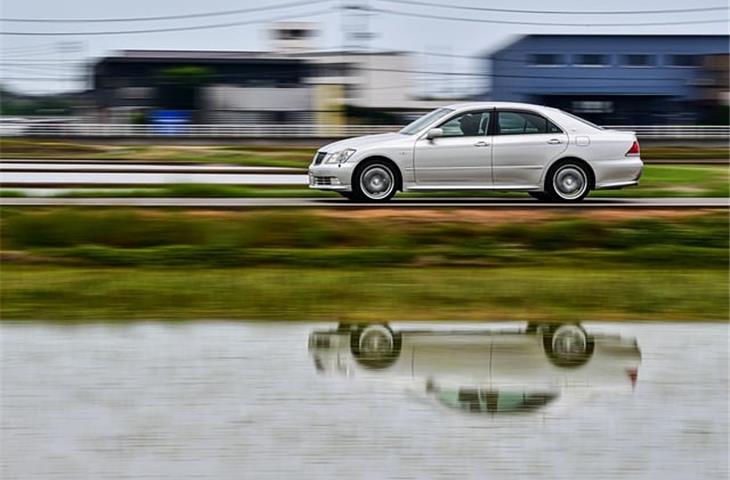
{"x": 540, "y": 196}
{"x": 348, "y": 195}
{"x": 568, "y": 182}
{"x": 567, "y": 345}
{"x": 375, "y": 346}
{"x": 374, "y": 181}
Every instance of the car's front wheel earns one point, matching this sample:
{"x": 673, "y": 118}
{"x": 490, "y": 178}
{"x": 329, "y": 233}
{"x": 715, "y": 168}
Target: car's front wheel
{"x": 568, "y": 182}
{"x": 540, "y": 196}
{"x": 375, "y": 346}
{"x": 374, "y": 182}
{"x": 348, "y": 195}
{"x": 567, "y": 345}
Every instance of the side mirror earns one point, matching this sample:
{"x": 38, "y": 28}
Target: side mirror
{"x": 435, "y": 133}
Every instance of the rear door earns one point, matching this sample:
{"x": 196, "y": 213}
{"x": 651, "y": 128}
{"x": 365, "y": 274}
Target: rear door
{"x": 461, "y": 157}
{"x": 524, "y": 143}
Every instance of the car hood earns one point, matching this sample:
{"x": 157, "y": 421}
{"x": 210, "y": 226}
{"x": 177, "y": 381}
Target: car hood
{"x": 362, "y": 142}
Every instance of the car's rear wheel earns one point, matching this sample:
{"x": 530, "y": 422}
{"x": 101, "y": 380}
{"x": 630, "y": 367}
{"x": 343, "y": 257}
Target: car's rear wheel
{"x": 568, "y": 182}
{"x": 567, "y": 345}
{"x": 374, "y": 182}
{"x": 375, "y": 346}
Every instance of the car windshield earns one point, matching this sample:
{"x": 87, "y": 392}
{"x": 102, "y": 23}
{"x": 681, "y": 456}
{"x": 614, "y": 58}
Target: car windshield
{"x": 418, "y": 124}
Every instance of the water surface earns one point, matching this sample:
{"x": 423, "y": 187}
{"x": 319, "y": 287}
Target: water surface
{"x": 245, "y": 400}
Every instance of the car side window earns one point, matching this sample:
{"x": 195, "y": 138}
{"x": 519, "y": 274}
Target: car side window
{"x": 521, "y": 123}
{"x": 470, "y": 124}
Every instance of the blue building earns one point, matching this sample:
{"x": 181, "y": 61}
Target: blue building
{"x": 613, "y": 79}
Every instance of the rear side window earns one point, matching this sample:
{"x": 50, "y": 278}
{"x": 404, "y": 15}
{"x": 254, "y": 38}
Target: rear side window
{"x": 521, "y": 123}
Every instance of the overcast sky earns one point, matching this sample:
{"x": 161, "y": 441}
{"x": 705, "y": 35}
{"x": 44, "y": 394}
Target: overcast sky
{"x": 28, "y": 59}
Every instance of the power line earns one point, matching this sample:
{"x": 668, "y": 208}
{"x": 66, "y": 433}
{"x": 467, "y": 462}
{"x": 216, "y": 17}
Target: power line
{"x": 543, "y": 24}
{"x": 174, "y": 29}
{"x": 298, "y": 3}
{"x": 558, "y": 12}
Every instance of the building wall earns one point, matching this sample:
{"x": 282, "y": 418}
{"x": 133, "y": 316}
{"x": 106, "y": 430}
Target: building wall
{"x": 554, "y": 70}
{"x": 232, "y": 104}
{"x": 370, "y": 80}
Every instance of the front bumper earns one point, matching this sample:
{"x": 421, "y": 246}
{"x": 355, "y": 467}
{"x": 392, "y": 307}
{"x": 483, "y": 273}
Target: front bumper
{"x": 331, "y": 177}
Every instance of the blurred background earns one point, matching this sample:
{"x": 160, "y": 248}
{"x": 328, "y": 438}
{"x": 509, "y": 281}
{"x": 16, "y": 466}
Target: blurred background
{"x": 325, "y": 63}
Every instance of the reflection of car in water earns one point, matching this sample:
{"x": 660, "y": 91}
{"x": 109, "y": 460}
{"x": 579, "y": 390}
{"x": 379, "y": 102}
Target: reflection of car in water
{"x": 480, "y": 369}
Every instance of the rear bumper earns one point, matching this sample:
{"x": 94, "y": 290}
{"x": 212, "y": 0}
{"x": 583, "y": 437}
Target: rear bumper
{"x": 624, "y": 172}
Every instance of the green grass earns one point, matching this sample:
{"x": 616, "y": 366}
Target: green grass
{"x": 305, "y": 238}
{"x": 684, "y": 153}
{"x": 303, "y": 228}
{"x": 677, "y": 181}
{"x": 111, "y": 264}
{"x": 4, "y": 193}
{"x": 351, "y": 293}
{"x": 268, "y": 156}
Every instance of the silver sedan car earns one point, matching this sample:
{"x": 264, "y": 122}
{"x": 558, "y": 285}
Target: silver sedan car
{"x": 548, "y": 153}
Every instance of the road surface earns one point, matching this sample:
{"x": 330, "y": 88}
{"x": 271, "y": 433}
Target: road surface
{"x": 396, "y": 203}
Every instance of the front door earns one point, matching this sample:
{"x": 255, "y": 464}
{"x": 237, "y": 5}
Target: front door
{"x": 524, "y": 143}
{"x": 461, "y": 157}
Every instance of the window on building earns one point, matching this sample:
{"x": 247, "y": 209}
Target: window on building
{"x": 547, "y": 59}
{"x": 518, "y": 123}
{"x": 471, "y": 124}
{"x": 637, "y": 60}
{"x": 591, "y": 60}
{"x": 683, "y": 60}
{"x": 293, "y": 34}
{"x": 592, "y": 106}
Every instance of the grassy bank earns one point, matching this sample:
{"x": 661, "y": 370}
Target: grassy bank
{"x": 269, "y": 156}
{"x": 85, "y": 264}
{"x": 327, "y": 239}
{"x": 350, "y": 294}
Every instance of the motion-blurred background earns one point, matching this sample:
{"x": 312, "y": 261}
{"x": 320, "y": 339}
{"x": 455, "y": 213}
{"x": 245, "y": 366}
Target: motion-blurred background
{"x": 318, "y": 64}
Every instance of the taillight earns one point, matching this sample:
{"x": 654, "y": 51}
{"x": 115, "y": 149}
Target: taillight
{"x": 634, "y": 150}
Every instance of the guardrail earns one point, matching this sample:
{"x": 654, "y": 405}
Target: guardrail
{"x": 676, "y": 132}
{"x": 651, "y": 132}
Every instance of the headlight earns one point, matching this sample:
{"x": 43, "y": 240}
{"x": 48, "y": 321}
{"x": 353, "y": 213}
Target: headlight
{"x": 339, "y": 157}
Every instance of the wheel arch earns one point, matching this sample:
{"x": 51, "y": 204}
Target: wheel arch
{"x": 383, "y": 159}
{"x": 570, "y": 159}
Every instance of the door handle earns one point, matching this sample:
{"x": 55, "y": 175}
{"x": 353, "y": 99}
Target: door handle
{"x": 554, "y": 141}
{"x": 481, "y": 144}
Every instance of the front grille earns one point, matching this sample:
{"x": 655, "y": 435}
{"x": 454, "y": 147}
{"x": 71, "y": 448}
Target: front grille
{"x": 323, "y": 180}
{"x": 319, "y": 157}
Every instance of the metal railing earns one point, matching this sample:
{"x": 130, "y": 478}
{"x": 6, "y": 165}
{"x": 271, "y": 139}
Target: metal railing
{"x": 651, "y": 132}
{"x": 676, "y": 132}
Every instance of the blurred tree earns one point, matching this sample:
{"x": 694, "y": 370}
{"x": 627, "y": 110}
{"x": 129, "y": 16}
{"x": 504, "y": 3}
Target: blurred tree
{"x": 14, "y": 104}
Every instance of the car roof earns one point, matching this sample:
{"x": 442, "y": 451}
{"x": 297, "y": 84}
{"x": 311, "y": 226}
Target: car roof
{"x": 460, "y": 106}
